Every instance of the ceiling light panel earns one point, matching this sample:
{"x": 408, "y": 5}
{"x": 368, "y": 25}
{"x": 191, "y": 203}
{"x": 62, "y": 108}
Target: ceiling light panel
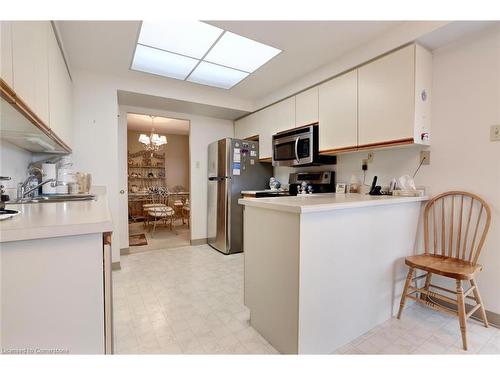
{"x": 241, "y": 53}
{"x": 216, "y": 75}
{"x": 190, "y": 38}
{"x": 155, "y": 61}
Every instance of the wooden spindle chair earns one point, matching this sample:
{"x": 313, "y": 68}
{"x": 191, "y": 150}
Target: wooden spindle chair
{"x": 455, "y": 227}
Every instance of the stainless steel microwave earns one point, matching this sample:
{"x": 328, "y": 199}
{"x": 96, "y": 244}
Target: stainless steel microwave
{"x": 299, "y": 147}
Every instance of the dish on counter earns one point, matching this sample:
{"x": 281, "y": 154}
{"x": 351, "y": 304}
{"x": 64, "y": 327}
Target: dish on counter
{"x": 7, "y": 214}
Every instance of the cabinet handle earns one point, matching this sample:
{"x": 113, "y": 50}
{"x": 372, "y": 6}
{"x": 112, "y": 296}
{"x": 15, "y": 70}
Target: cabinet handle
{"x": 122, "y": 191}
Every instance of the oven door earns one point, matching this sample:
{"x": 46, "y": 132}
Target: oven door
{"x": 293, "y": 150}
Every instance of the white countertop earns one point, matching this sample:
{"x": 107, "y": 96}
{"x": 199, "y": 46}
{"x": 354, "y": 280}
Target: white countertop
{"x": 263, "y": 191}
{"x": 325, "y": 202}
{"x": 58, "y": 219}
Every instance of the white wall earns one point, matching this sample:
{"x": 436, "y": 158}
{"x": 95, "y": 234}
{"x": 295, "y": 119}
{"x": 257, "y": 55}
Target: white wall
{"x": 13, "y": 163}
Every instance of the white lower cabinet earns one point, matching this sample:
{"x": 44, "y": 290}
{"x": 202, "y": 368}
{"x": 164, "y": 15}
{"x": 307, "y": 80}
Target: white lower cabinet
{"x": 338, "y": 106}
{"x": 53, "y": 295}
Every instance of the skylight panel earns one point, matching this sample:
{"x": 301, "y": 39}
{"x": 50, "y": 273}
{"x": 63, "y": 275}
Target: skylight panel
{"x": 189, "y": 38}
{"x": 241, "y": 53}
{"x": 155, "y": 61}
{"x": 198, "y": 52}
{"x": 216, "y": 75}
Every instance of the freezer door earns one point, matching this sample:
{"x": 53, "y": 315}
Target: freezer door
{"x": 218, "y": 195}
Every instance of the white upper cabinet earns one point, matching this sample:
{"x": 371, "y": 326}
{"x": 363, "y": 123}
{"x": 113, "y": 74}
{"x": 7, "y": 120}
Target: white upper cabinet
{"x": 382, "y": 103}
{"x": 338, "y": 126}
{"x": 30, "y": 65}
{"x": 265, "y": 123}
{"x": 306, "y": 107}
{"x": 273, "y": 119}
{"x": 386, "y": 98}
{"x": 246, "y": 127}
{"x": 6, "y": 51}
{"x": 60, "y": 93}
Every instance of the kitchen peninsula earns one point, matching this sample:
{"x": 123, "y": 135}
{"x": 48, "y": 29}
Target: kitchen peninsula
{"x": 321, "y": 270}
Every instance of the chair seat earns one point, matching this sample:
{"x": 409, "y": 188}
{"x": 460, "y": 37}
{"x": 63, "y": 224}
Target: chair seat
{"x": 150, "y": 205}
{"x": 444, "y": 266}
{"x": 161, "y": 211}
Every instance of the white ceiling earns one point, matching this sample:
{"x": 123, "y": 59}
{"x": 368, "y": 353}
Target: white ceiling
{"x": 108, "y": 46}
{"x": 162, "y": 125}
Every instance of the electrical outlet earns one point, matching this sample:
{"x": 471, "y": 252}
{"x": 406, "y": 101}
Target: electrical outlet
{"x": 427, "y": 156}
{"x": 369, "y": 158}
{"x": 495, "y": 133}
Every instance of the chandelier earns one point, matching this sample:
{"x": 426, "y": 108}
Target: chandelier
{"x": 154, "y": 141}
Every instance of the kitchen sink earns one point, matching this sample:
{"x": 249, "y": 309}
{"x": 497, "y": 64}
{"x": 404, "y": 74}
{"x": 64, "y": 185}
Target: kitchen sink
{"x": 55, "y": 198}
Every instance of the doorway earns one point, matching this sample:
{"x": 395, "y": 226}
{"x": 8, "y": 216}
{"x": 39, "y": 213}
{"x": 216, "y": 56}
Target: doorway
{"x": 157, "y": 182}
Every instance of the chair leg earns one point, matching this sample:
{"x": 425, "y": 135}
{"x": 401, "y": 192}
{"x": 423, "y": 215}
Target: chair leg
{"x": 479, "y": 301}
{"x": 405, "y": 291}
{"x": 461, "y": 313}
{"x": 154, "y": 229}
{"x": 427, "y": 284}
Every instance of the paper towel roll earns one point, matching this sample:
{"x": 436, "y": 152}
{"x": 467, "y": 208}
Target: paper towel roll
{"x": 48, "y": 172}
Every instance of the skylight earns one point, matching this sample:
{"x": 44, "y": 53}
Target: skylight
{"x": 198, "y": 52}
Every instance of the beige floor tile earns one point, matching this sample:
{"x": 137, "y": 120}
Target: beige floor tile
{"x": 189, "y": 300}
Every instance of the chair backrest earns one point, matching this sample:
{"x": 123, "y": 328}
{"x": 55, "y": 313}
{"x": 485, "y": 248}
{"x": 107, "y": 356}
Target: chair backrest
{"x": 455, "y": 225}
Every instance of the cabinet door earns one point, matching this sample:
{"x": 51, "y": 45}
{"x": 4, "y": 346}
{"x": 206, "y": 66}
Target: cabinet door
{"x": 276, "y": 118}
{"x": 246, "y": 127}
{"x": 306, "y": 107}
{"x": 338, "y": 122}
{"x": 386, "y": 98}
{"x": 30, "y": 65}
{"x": 6, "y": 51}
{"x": 60, "y": 93}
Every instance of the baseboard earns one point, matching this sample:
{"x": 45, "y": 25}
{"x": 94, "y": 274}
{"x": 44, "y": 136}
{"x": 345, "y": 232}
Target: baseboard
{"x": 125, "y": 251}
{"x": 115, "y": 266}
{"x": 198, "y": 241}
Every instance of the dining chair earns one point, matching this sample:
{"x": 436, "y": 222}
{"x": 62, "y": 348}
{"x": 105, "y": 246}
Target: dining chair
{"x": 162, "y": 212}
{"x": 186, "y": 211}
{"x": 153, "y": 200}
{"x": 455, "y": 227}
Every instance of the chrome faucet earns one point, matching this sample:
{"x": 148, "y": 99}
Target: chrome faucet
{"x": 23, "y": 192}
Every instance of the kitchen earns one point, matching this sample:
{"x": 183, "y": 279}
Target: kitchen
{"x": 397, "y": 101}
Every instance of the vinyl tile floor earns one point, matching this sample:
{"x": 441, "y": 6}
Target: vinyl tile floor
{"x": 163, "y": 238}
{"x": 189, "y": 300}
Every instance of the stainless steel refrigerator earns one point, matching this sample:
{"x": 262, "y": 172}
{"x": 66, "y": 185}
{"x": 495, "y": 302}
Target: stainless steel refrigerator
{"x": 233, "y": 166}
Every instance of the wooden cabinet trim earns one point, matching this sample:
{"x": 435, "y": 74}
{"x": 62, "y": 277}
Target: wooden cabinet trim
{"x": 11, "y": 97}
{"x": 396, "y": 142}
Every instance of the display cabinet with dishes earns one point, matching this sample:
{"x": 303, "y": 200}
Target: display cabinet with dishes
{"x": 146, "y": 170}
